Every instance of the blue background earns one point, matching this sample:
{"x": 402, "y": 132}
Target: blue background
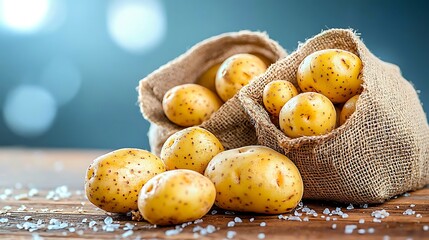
{"x": 104, "y": 113}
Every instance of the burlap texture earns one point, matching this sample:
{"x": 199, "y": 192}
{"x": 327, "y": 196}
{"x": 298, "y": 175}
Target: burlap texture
{"x": 230, "y": 123}
{"x": 381, "y": 151}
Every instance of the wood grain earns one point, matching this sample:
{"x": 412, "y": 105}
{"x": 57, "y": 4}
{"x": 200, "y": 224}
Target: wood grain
{"x": 75, "y": 208}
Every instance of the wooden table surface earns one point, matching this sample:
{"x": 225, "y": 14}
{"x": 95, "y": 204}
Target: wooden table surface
{"x": 30, "y": 191}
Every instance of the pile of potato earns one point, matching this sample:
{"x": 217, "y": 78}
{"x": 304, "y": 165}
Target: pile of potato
{"x": 191, "y": 104}
{"x": 330, "y": 83}
{"x": 194, "y": 171}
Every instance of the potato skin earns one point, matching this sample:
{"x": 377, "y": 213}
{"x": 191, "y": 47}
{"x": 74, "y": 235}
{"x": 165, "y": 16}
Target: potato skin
{"x": 208, "y": 78}
{"x": 191, "y": 148}
{"x": 190, "y": 104}
{"x": 334, "y": 73}
{"x": 114, "y": 180}
{"x": 348, "y": 109}
{"x": 276, "y": 94}
{"x": 176, "y": 196}
{"x": 307, "y": 114}
{"x": 255, "y": 179}
{"x": 236, "y": 72}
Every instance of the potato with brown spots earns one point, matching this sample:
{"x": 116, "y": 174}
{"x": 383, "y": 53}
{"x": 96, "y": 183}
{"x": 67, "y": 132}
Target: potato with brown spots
{"x": 113, "y": 181}
{"x": 207, "y": 79}
{"x": 255, "y": 179}
{"x": 276, "y": 94}
{"x": 348, "y": 109}
{"x": 307, "y": 114}
{"x": 334, "y": 73}
{"x": 176, "y": 196}
{"x": 191, "y": 148}
{"x": 236, "y": 72}
{"x": 190, "y": 104}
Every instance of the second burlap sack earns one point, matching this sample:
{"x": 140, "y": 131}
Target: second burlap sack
{"x": 381, "y": 151}
{"x": 230, "y": 123}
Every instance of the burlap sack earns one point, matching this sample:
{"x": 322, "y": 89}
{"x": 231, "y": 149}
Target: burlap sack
{"x": 230, "y": 123}
{"x": 381, "y": 151}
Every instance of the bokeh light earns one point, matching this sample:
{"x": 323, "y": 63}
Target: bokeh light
{"x": 24, "y": 15}
{"x": 136, "y": 25}
{"x": 29, "y": 111}
{"x": 62, "y": 78}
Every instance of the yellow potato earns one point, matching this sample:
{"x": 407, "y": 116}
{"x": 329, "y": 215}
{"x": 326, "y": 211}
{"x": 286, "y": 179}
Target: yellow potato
{"x": 255, "y": 179}
{"x": 348, "y": 109}
{"x": 114, "y": 180}
{"x": 191, "y": 148}
{"x": 332, "y": 72}
{"x": 276, "y": 94}
{"x": 208, "y": 78}
{"x": 175, "y": 197}
{"x": 307, "y": 114}
{"x": 190, "y": 104}
{"x": 236, "y": 72}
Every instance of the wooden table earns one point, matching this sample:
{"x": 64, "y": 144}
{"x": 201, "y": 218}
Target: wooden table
{"x": 23, "y": 169}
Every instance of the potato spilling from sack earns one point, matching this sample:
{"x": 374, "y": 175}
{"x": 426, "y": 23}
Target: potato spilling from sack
{"x": 276, "y": 94}
{"x": 191, "y": 148}
{"x": 236, "y": 72}
{"x": 175, "y": 197}
{"x": 190, "y": 104}
{"x": 255, "y": 179}
{"x": 113, "y": 181}
{"x": 334, "y": 73}
{"x": 307, "y": 114}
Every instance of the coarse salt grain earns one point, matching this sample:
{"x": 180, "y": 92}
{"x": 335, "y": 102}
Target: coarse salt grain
{"x": 263, "y": 224}
{"x": 108, "y": 220}
{"x": 418, "y": 215}
{"x": 36, "y": 236}
{"x": 294, "y": 218}
{"x": 361, "y": 221}
{"x": 84, "y": 220}
{"x": 361, "y": 231}
{"x": 349, "y": 229}
{"x": 72, "y": 229}
{"x": 230, "y": 234}
{"x": 214, "y": 212}
{"x": 412, "y": 205}
{"x": 92, "y": 224}
{"x": 22, "y": 208}
{"x": 198, "y": 221}
{"x": 326, "y": 211}
{"x": 127, "y": 233}
{"x": 345, "y": 215}
{"x": 4, "y": 220}
{"x": 334, "y": 226}
{"x": 426, "y": 228}
{"x": 210, "y": 229}
{"x": 229, "y": 213}
{"x": 238, "y": 220}
{"x": 328, "y": 219}
{"x": 380, "y": 214}
{"x": 280, "y": 216}
{"x": 26, "y": 218}
{"x": 261, "y": 235}
{"x": 33, "y": 192}
{"x": 376, "y": 220}
{"x": 350, "y": 207}
{"x": 251, "y": 219}
{"x": 406, "y": 194}
{"x": 409, "y": 212}
{"x": 128, "y": 226}
{"x": 371, "y": 230}
{"x": 231, "y": 224}
{"x": 386, "y": 237}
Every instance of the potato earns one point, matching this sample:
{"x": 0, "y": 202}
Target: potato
{"x": 236, "y": 72}
{"x": 175, "y": 197}
{"x": 276, "y": 94}
{"x": 114, "y": 180}
{"x": 348, "y": 109}
{"x": 307, "y": 114}
{"x": 332, "y": 72}
{"x": 208, "y": 78}
{"x": 190, "y": 104}
{"x": 255, "y": 179}
{"x": 191, "y": 148}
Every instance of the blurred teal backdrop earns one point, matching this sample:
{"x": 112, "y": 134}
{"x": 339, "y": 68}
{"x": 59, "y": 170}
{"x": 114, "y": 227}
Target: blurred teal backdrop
{"x": 69, "y": 69}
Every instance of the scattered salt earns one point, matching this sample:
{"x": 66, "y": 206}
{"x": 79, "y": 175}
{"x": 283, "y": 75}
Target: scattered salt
{"x": 36, "y": 236}
{"x": 334, "y": 226}
{"x": 334, "y": 219}
{"x": 61, "y": 192}
{"x": 418, "y": 215}
{"x": 365, "y": 205}
{"x": 128, "y": 226}
{"x": 108, "y": 220}
{"x": 397, "y": 207}
{"x": 230, "y": 234}
{"x": 263, "y": 224}
{"x": 412, "y": 205}
{"x": 127, "y": 233}
{"x": 328, "y": 218}
{"x": 72, "y": 229}
{"x": 198, "y": 221}
{"x": 305, "y": 219}
{"x": 214, "y": 212}
{"x": 386, "y": 237}
{"x": 22, "y": 196}
{"x": 95, "y": 229}
{"x": 210, "y": 229}
{"x": 345, "y": 215}
{"x": 251, "y": 219}
{"x": 350, "y": 207}
{"x": 296, "y": 213}
{"x": 349, "y": 229}
{"x": 406, "y": 194}
{"x": 238, "y": 220}
{"x": 33, "y": 192}
{"x": 261, "y": 235}
{"x": 280, "y": 216}
{"x": 380, "y": 214}
{"x": 376, "y": 220}
{"x": 84, "y": 220}
{"x": 4, "y": 220}
{"x": 26, "y": 218}
{"x": 80, "y": 232}
{"x": 426, "y": 228}
{"x": 361, "y": 221}
{"x": 92, "y": 224}
{"x": 22, "y": 208}
{"x": 7, "y": 208}
{"x": 231, "y": 224}
{"x": 361, "y": 231}
{"x": 371, "y": 230}
{"x": 229, "y": 213}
